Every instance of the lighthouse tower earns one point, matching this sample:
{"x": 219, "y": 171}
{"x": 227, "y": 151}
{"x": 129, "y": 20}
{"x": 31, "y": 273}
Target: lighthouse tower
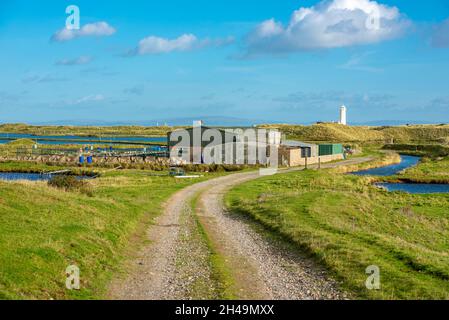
{"x": 343, "y": 116}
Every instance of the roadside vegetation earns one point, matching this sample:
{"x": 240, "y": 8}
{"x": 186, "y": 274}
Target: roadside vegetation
{"x": 347, "y": 225}
{"x": 44, "y": 229}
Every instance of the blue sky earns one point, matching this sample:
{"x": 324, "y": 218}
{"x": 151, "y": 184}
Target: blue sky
{"x": 143, "y": 61}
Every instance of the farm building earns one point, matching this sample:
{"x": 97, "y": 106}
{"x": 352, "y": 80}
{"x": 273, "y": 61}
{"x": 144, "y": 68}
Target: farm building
{"x": 190, "y": 145}
{"x": 306, "y": 149}
{"x": 295, "y": 153}
{"x": 194, "y": 145}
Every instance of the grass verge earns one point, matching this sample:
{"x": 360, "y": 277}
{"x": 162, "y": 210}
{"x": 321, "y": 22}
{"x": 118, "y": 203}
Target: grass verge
{"x": 220, "y": 272}
{"x": 44, "y": 229}
{"x": 348, "y": 225}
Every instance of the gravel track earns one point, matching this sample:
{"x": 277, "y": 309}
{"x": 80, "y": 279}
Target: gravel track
{"x": 262, "y": 268}
{"x": 154, "y": 273}
{"x": 269, "y": 266}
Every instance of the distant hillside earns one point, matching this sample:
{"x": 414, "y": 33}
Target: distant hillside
{"x": 336, "y": 132}
{"x": 378, "y": 123}
{"x": 86, "y": 130}
{"x": 21, "y": 143}
{"x": 185, "y": 121}
{"x": 436, "y": 133}
{"x": 318, "y": 132}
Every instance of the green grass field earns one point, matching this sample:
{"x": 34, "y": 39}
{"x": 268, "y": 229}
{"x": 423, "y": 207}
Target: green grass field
{"x": 348, "y": 225}
{"x": 43, "y": 230}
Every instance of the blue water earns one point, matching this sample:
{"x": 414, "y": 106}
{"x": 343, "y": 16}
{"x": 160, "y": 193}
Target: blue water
{"x": 14, "y": 176}
{"x": 406, "y": 162}
{"x": 11, "y": 176}
{"x": 63, "y": 139}
{"x": 416, "y": 188}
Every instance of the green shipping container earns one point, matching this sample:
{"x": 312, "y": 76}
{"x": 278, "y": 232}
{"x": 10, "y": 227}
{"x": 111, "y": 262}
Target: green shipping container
{"x": 337, "y": 149}
{"x": 330, "y": 149}
{"x": 324, "y": 149}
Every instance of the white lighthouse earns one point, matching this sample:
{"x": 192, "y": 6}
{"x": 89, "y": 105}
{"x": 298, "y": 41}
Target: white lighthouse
{"x": 343, "y": 116}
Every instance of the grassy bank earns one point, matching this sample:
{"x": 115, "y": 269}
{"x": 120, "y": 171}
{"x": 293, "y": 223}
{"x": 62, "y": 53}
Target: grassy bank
{"x": 318, "y": 132}
{"x": 341, "y": 133}
{"x": 95, "y": 131}
{"x": 429, "y": 170}
{"x": 348, "y": 225}
{"x": 433, "y": 150}
{"x": 44, "y": 229}
{"x": 39, "y": 167}
{"x": 380, "y": 159}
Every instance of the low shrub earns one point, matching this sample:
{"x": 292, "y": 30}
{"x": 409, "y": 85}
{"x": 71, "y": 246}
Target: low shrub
{"x": 70, "y": 183}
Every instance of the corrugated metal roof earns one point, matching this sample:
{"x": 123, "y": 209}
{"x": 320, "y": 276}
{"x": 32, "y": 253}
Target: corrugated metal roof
{"x": 294, "y": 143}
{"x": 203, "y": 127}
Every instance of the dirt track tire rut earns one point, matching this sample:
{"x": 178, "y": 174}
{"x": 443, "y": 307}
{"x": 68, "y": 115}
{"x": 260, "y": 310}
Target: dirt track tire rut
{"x": 261, "y": 268}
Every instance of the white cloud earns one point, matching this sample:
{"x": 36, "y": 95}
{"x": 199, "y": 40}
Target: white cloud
{"x": 329, "y": 24}
{"x": 35, "y": 78}
{"x": 152, "y": 44}
{"x": 74, "y": 62}
{"x": 90, "y": 98}
{"x": 97, "y": 29}
{"x": 357, "y": 63}
{"x": 185, "y": 42}
{"x": 269, "y": 28}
